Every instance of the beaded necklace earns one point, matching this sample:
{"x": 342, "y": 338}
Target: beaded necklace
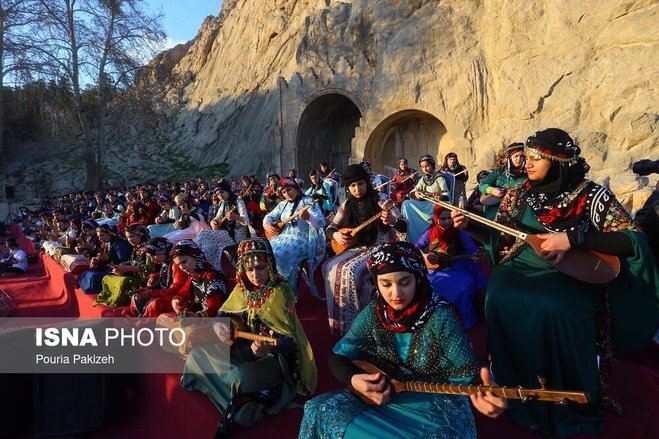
{"x": 256, "y": 299}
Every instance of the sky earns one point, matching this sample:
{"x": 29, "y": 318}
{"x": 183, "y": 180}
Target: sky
{"x": 182, "y": 18}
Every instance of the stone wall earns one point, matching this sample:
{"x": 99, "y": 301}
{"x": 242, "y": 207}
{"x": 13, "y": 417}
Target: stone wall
{"x": 423, "y": 76}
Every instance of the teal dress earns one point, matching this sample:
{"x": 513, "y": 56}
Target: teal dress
{"x": 498, "y": 178}
{"x": 543, "y": 322}
{"x": 439, "y": 352}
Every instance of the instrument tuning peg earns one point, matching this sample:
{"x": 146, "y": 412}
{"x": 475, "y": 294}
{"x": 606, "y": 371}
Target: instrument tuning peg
{"x": 542, "y": 382}
{"x": 563, "y": 401}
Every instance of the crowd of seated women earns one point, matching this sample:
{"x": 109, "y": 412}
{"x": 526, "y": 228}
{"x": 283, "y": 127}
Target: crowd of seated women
{"x": 396, "y": 266}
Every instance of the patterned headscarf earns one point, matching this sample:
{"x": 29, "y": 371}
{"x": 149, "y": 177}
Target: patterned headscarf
{"x": 104, "y": 228}
{"x": 402, "y": 256}
{"x": 139, "y": 230}
{"x": 552, "y": 199}
{"x": 251, "y": 252}
{"x": 445, "y": 165}
{"x": 188, "y": 247}
{"x": 427, "y": 158}
{"x": 287, "y": 181}
{"x": 511, "y": 170}
{"x": 158, "y": 246}
{"x": 89, "y": 224}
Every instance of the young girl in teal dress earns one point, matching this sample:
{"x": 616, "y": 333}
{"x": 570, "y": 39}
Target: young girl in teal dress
{"x": 412, "y": 337}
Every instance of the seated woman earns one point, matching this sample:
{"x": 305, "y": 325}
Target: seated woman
{"x": 507, "y": 172}
{"x": 70, "y": 238}
{"x": 162, "y": 286}
{"x": 86, "y": 246}
{"x": 114, "y": 250}
{"x": 271, "y": 196}
{"x": 229, "y": 227}
{"x": 541, "y": 320}
{"x": 117, "y": 288}
{"x": 347, "y": 283}
{"x": 403, "y": 181}
{"x": 300, "y": 239}
{"x": 322, "y": 191}
{"x": 474, "y": 204}
{"x": 208, "y": 286}
{"x": 260, "y": 378}
{"x": 165, "y": 222}
{"x": 460, "y": 174}
{"x": 411, "y": 337}
{"x": 206, "y": 293}
{"x": 417, "y": 211}
{"x": 453, "y": 271}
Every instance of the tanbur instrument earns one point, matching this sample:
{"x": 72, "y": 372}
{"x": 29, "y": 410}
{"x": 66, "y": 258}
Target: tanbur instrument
{"x": 584, "y": 265}
{"x": 280, "y": 224}
{"x": 542, "y": 394}
{"x": 338, "y": 248}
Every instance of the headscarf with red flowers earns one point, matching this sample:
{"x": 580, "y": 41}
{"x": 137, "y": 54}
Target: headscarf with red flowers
{"x": 402, "y": 256}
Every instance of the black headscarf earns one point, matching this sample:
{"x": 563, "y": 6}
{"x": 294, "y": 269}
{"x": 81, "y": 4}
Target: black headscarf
{"x": 512, "y": 171}
{"x": 358, "y": 210}
{"x": 402, "y": 256}
{"x": 553, "y": 200}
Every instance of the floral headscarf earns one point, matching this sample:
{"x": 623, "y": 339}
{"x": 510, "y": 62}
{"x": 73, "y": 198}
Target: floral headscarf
{"x": 139, "y": 230}
{"x": 402, "y": 256}
{"x": 188, "y": 247}
{"x": 158, "y": 246}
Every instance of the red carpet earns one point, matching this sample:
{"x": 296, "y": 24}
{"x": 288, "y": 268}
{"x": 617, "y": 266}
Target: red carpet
{"x": 158, "y": 407}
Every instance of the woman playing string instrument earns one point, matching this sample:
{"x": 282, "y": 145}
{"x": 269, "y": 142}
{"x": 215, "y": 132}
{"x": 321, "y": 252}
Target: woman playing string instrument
{"x": 114, "y": 250}
{"x": 169, "y": 281}
{"x": 418, "y": 212}
{"x": 454, "y": 275}
{"x": 260, "y": 378}
{"x": 117, "y": 288}
{"x": 298, "y": 240}
{"x": 412, "y": 337}
{"x": 541, "y": 321}
{"x": 347, "y": 283}
{"x": 507, "y": 172}
{"x": 229, "y": 226}
{"x": 452, "y": 166}
{"x": 403, "y": 181}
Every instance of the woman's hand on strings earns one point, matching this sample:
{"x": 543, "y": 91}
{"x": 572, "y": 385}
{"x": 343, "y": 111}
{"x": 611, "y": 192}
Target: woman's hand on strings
{"x": 260, "y": 348}
{"x": 486, "y": 402}
{"x": 459, "y": 220}
{"x": 554, "y": 246}
{"x": 342, "y": 238}
{"x": 387, "y": 217}
{"x": 375, "y": 386}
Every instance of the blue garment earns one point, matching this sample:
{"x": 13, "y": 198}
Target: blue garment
{"x": 298, "y": 241}
{"x": 91, "y": 281}
{"x": 460, "y": 281}
{"x": 439, "y": 352}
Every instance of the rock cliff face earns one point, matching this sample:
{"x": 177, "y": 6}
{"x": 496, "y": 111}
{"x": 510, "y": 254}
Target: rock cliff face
{"x": 267, "y": 81}
{"x": 271, "y": 85}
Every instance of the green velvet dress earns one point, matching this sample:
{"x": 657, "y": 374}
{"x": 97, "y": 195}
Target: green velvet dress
{"x": 242, "y": 376}
{"x": 439, "y": 352}
{"x": 543, "y": 322}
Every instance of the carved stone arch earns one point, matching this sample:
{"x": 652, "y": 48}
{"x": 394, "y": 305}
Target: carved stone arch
{"x": 407, "y": 133}
{"x": 325, "y": 130}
